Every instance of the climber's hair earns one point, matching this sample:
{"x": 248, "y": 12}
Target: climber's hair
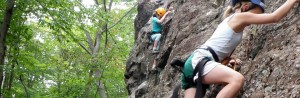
{"x": 154, "y": 14}
{"x": 231, "y": 9}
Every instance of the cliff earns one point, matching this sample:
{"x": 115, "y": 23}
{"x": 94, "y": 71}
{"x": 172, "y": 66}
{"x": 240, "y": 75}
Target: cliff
{"x": 270, "y": 53}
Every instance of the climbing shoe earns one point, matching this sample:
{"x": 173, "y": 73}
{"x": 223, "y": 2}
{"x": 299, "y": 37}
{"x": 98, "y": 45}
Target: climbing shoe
{"x": 155, "y": 51}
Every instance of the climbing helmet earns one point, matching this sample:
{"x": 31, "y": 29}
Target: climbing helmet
{"x": 160, "y": 11}
{"x": 259, "y": 3}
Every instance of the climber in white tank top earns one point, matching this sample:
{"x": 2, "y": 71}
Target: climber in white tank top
{"x": 223, "y": 41}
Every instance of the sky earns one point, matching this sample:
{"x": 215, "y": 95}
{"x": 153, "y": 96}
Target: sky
{"x": 88, "y": 2}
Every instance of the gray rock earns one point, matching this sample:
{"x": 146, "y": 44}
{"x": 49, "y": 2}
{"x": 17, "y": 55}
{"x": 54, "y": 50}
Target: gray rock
{"x": 270, "y": 52}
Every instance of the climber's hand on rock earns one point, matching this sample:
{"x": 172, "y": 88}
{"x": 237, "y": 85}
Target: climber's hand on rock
{"x": 170, "y": 9}
{"x": 168, "y": 12}
{"x": 237, "y": 61}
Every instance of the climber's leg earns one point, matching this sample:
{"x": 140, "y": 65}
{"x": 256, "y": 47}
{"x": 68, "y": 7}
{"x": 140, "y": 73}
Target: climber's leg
{"x": 189, "y": 93}
{"x": 225, "y": 75}
{"x": 156, "y": 37}
{"x": 158, "y": 45}
{"x": 155, "y": 45}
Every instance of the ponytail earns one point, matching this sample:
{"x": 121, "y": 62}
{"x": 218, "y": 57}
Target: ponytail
{"x": 228, "y": 11}
{"x": 231, "y": 9}
{"x": 154, "y": 14}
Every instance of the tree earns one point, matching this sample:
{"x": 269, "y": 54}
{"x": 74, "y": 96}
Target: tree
{"x": 62, "y": 48}
{"x": 3, "y": 31}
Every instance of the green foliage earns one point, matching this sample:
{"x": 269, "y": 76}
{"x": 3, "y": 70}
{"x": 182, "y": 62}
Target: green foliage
{"x": 44, "y": 58}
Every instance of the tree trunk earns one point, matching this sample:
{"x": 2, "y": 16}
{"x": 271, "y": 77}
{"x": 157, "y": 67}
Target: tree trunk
{"x": 96, "y": 73}
{"x": 100, "y": 86}
{"x": 88, "y": 85}
{"x": 110, "y": 4}
{"x": 25, "y": 89}
{"x": 11, "y": 75}
{"x": 3, "y": 31}
{"x": 95, "y": 49}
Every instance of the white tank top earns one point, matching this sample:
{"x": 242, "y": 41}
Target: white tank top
{"x": 224, "y": 40}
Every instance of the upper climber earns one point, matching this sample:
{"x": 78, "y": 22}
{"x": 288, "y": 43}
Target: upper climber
{"x": 158, "y": 18}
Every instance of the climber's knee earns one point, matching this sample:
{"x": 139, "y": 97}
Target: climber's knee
{"x": 237, "y": 79}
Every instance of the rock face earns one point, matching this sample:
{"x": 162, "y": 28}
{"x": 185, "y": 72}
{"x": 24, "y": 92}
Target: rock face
{"x": 270, "y": 53}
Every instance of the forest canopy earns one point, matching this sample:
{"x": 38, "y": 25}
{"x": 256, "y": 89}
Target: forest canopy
{"x": 65, "y": 48}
